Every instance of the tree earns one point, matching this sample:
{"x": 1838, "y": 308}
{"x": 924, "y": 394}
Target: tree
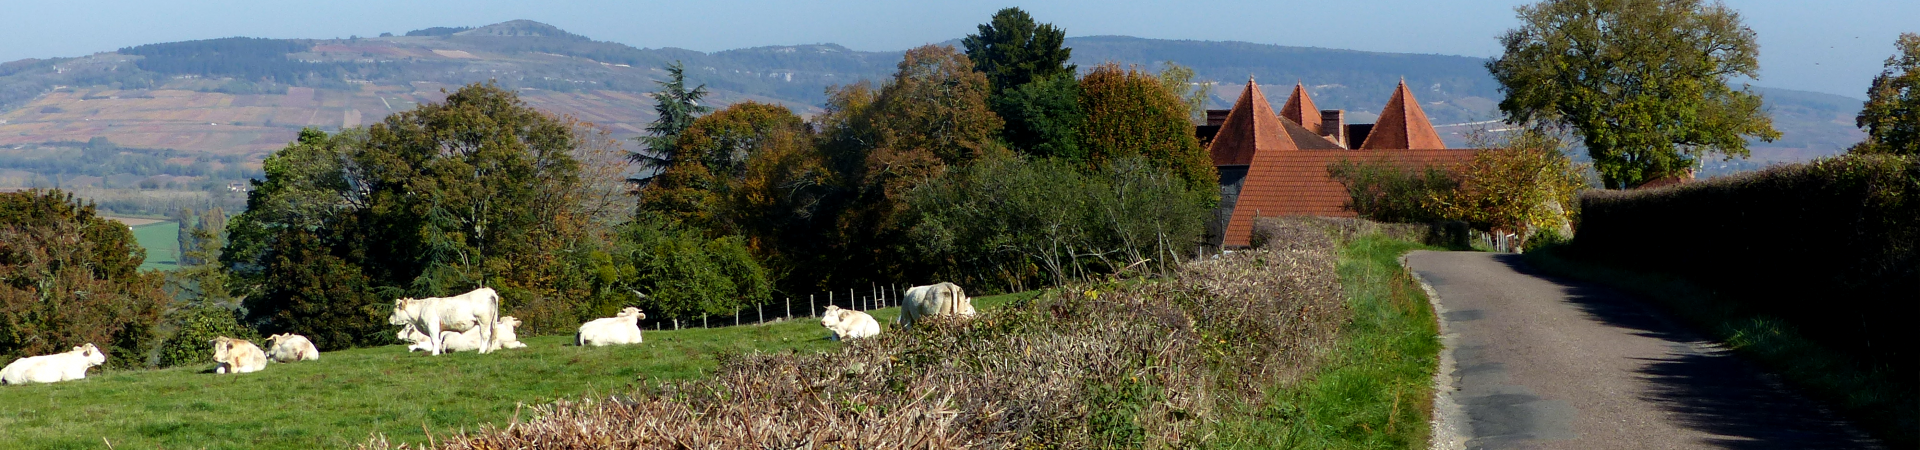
{"x": 676, "y": 108}
{"x": 1178, "y": 79}
{"x": 1013, "y": 50}
{"x": 1032, "y": 86}
{"x": 1892, "y": 113}
{"x": 69, "y": 277}
{"x": 1131, "y": 113}
{"x": 1044, "y": 117}
{"x": 480, "y": 190}
{"x": 1644, "y": 82}
{"x": 713, "y": 155}
{"x": 1521, "y": 183}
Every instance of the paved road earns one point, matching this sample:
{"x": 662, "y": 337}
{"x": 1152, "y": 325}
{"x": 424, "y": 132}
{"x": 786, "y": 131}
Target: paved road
{"x": 1546, "y": 363}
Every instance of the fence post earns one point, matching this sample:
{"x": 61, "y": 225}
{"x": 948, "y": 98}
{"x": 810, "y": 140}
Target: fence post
{"x": 789, "y": 308}
{"x": 811, "y": 307}
{"x": 762, "y": 311}
{"x": 703, "y": 321}
{"x": 829, "y": 298}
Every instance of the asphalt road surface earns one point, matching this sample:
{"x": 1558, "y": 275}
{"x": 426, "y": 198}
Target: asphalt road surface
{"x": 1540, "y": 362}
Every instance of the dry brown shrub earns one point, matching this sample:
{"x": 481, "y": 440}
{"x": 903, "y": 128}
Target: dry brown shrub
{"x": 1128, "y": 363}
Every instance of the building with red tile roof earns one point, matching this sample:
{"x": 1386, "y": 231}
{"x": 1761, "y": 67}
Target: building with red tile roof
{"x": 1275, "y": 165}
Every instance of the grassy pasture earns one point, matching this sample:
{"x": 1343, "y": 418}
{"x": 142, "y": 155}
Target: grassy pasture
{"x": 348, "y": 396}
{"x": 162, "y": 241}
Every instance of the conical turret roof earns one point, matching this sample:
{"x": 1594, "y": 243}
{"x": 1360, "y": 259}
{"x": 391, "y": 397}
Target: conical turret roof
{"x": 1300, "y": 110}
{"x": 1251, "y": 127}
{"x": 1402, "y": 125}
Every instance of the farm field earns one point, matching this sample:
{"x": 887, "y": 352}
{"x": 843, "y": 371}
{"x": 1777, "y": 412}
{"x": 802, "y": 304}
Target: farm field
{"x": 349, "y": 396}
{"x": 162, "y": 241}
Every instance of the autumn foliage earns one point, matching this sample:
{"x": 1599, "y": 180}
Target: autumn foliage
{"x": 69, "y": 277}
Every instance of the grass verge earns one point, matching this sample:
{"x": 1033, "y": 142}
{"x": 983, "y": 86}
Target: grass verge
{"x": 347, "y": 396}
{"x": 1375, "y": 390}
{"x": 1886, "y": 404}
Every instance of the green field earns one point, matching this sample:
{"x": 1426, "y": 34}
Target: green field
{"x": 348, "y": 396}
{"x": 162, "y": 241}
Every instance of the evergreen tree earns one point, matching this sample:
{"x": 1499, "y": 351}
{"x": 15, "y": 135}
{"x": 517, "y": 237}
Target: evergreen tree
{"x": 1017, "y": 54}
{"x": 676, "y": 108}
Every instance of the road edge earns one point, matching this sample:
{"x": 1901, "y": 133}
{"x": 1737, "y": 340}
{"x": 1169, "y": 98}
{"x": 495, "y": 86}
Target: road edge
{"x": 1449, "y": 422}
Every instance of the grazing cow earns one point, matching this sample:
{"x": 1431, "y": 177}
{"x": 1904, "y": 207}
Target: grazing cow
{"x": 291, "y": 347}
{"x": 52, "y": 368}
{"x": 934, "y": 300}
{"x": 849, "y": 324}
{"x": 470, "y": 340}
{"x": 623, "y": 328}
{"x": 477, "y": 309}
{"x": 237, "y": 356}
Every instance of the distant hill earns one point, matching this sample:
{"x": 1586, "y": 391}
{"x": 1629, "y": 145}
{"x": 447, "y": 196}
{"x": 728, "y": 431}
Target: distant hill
{"x": 196, "y": 113}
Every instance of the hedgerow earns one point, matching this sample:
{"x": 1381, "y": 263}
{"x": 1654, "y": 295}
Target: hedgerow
{"x": 1827, "y": 245}
{"x": 1120, "y": 363}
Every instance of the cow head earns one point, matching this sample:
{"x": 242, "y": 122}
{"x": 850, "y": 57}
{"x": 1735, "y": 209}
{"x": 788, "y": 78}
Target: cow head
{"x": 831, "y": 316}
{"x": 958, "y": 298}
{"x": 221, "y": 345}
{"x": 404, "y": 310}
{"x": 509, "y": 321}
{"x": 92, "y": 354}
{"x": 631, "y": 311}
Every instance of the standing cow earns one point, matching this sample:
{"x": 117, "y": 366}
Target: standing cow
{"x": 291, "y": 347}
{"x": 237, "y": 356}
{"x": 53, "y": 368}
{"x": 430, "y": 316}
{"x": 934, "y": 300}
{"x": 849, "y": 324}
{"x": 623, "y": 328}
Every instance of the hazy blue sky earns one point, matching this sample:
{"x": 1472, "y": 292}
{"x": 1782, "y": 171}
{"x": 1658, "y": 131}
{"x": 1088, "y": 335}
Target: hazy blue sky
{"x": 1830, "y": 46}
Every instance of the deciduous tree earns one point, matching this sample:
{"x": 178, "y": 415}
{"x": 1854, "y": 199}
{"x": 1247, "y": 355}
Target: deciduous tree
{"x": 1892, "y": 113}
{"x": 70, "y": 277}
{"x": 1644, "y": 82}
{"x": 1131, "y": 113}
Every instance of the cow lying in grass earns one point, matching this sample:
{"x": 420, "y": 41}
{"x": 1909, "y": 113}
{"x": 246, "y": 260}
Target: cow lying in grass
{"x": 934, "y": 300}
{"x": 849, "y": 324}
{"x": 53, "y": 368}
{"x": 291, "y": 347}
{"x": 470, "y": 340}
{"x": 237, "y": 356}
{"x": 623, "y": 328}
{"x": 478, "y": 309}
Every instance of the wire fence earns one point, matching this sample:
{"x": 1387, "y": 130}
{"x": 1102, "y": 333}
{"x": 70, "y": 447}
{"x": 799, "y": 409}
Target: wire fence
{"x": 874, "y": 296}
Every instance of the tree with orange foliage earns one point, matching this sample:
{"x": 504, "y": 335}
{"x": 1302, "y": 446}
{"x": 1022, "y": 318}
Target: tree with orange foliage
{"x": 1130, "y": 113}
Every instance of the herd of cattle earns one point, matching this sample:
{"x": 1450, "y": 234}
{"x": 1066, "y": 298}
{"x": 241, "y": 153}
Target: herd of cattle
{"x": 472, "y": 322}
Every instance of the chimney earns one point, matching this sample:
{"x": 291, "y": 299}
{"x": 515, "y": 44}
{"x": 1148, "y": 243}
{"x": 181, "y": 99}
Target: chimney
{"x": 1215, "y": 117}
{"x": 1333, "y": 126}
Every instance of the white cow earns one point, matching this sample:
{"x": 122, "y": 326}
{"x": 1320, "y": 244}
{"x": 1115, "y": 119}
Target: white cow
{"x": 934, "y": 300}
{"x": 237, "y": 356}
{"x": 470, "y": 340}
{"x": 56, "y": 367}
{"x": 420, "y": 341}
{"x": 477, "y": 309}
{"x": 291, "y": 347}
{"x": 849, "y": 324}
{"x": 623, "y": 328}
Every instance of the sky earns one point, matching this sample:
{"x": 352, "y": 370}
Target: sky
{"x": 1833, "y": 47}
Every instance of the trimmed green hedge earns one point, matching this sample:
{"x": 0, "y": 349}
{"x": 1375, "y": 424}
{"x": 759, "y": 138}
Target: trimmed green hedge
{"x": 1827, "y": 245}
